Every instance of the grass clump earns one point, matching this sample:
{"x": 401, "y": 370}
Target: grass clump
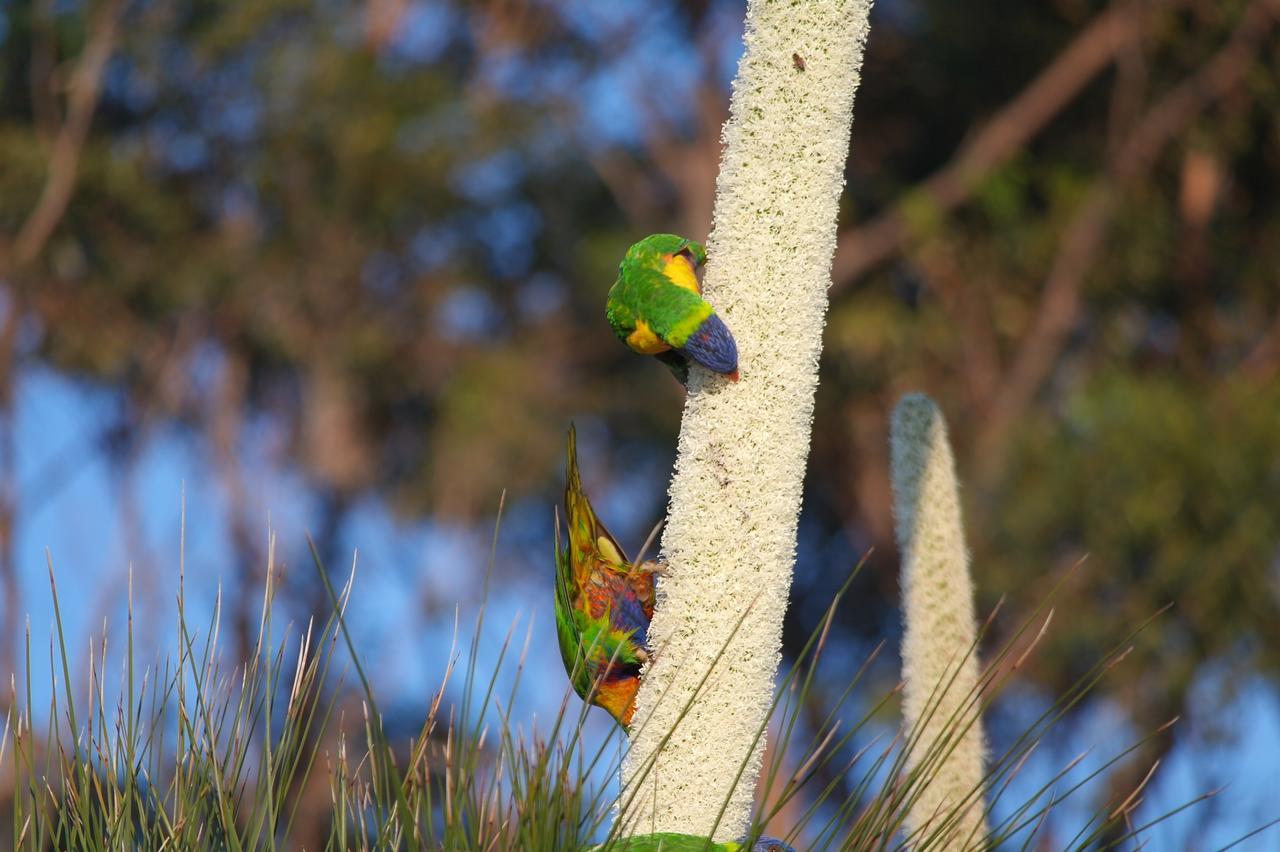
{"x": 195, "y": 754}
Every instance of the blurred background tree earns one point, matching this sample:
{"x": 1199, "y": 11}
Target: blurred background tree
{"x": 363, "y": 247}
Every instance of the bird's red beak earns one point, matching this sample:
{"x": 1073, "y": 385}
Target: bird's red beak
{"x": 733, "y": 377}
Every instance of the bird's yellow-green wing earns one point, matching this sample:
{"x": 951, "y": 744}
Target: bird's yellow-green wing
{"x": 588, "y": 537}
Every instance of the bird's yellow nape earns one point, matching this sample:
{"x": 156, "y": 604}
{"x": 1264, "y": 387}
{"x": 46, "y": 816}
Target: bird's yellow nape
{"x": 678, "y": 268}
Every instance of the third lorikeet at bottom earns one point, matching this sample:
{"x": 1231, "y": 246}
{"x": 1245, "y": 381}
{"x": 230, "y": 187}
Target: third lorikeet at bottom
{"x": 603, "y": 604}
{"x": 656, "y": 308}
{"x": 669, "y": 842}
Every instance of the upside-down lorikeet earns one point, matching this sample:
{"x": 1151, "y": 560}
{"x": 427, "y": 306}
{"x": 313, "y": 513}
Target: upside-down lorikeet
{"x": 669, "y": 842}
{"x": 603, "y": 604}
{"x": 656, "y": 308}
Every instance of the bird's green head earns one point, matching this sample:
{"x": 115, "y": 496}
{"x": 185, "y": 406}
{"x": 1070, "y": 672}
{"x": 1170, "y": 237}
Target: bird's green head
{"x": 696, "y": 251}
{"x": 655, "y": 246}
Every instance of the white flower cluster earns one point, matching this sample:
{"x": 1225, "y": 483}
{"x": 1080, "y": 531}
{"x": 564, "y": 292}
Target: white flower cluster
{"x": 730, "y": 537}
{"x": 939, "y": 661}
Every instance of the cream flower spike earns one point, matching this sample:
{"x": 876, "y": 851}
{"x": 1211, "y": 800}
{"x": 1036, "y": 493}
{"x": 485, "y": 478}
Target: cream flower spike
{"x": 939, "y": 662}
{"x": 729, "y": 544}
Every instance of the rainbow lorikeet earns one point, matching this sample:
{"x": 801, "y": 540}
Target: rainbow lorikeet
{"x": 603, "y": 604}
{"x": 656, "y": 308}
{"x": 669, "y": 842}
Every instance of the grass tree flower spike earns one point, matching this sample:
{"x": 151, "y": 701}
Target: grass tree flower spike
{"x": 729, "y": 542}
{"x": 939, "y": 662}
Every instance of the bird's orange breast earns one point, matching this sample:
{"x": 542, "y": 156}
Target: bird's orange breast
{"x": 618, "y": 696}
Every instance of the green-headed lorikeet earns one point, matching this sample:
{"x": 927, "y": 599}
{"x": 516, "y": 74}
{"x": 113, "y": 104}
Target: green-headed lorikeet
{"x": 656, "y": 308}
{"x": 603, "y": 604}
{"x": 670, "y": 842}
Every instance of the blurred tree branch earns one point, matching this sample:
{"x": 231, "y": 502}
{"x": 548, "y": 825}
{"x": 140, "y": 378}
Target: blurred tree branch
{"x": 964, "y": 297}
{"x": 1059, "y": 304}
{"x": 686, "y": 162}
{"x": 1263, "y": 360}
{"x": 8, "y": 498}
{"x": 85, "y": 87}
{"x": 44, "y": 57}
{"x": 225, "y": 424}
{"x": 1113, "y": 32}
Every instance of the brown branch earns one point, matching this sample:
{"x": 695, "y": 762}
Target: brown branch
{"x": 9, "y": 586}
{"x": 1054, "y": 319}
{"x": 964, "y": 298}
{"x": 64, "y": 159}
{"x": 1213, "y": 81}
{"x": 688, "y": 164}
{"x": 1128, "y": 91}
{"x": 1114, "y": 31}
{"x": 224, "y": 422}
{"x": 44, "y": 60}
{"x": 1060, "y": 303}
{"x": 691, "y": 165}
{"x": 382, "y": 22}
{"x": 632, "y": 188}
{"x": 1263, "y": 361}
